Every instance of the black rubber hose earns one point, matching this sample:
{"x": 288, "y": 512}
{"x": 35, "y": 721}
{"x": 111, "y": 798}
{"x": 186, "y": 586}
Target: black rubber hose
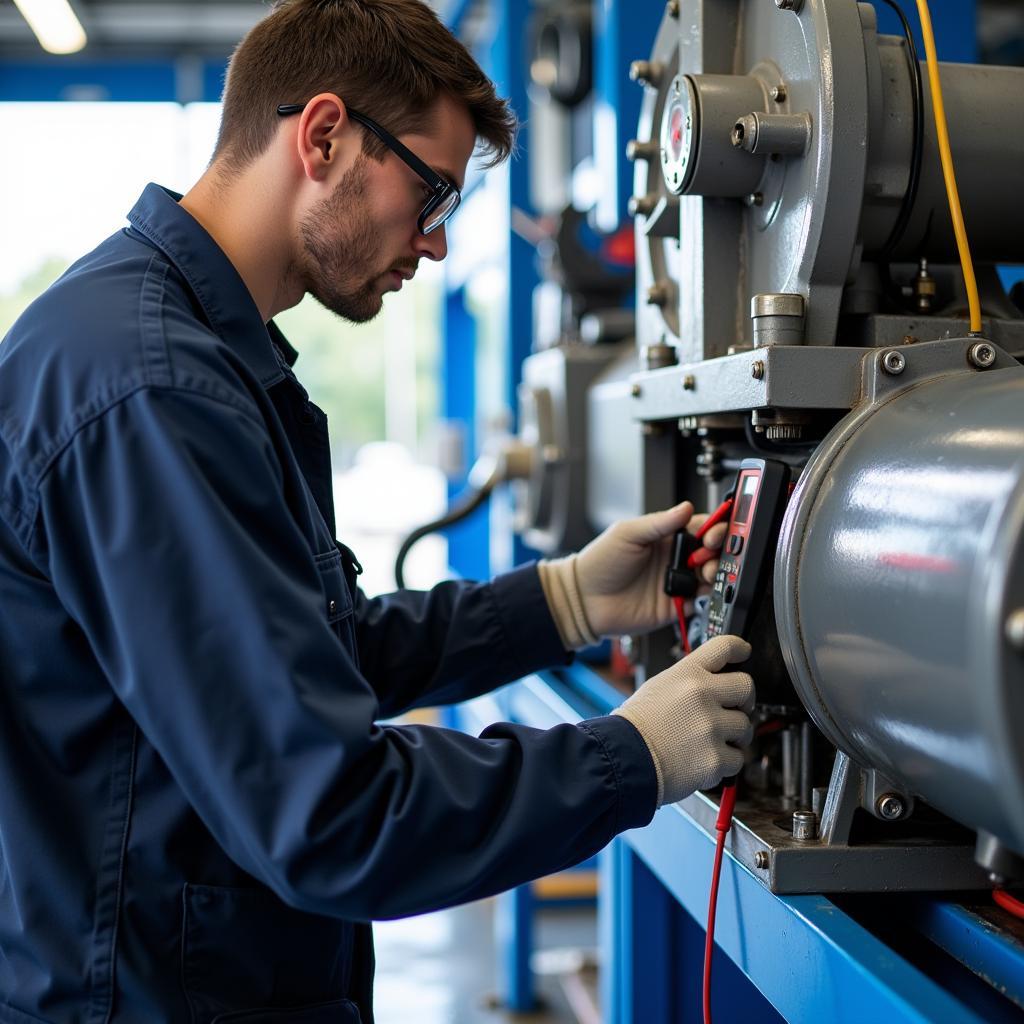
{"x": 910, "y": 197}
{"x": 466, "y": 503}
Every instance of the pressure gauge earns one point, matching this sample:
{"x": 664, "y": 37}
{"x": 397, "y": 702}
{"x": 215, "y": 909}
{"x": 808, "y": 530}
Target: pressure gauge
{"x": 679, "y": 135}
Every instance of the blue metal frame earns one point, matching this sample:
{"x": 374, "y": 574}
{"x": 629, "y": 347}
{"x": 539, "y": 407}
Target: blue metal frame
{"x": 786, "y": 958}
{"x": 623, "y": 33}
{"x": 47, "y": 80}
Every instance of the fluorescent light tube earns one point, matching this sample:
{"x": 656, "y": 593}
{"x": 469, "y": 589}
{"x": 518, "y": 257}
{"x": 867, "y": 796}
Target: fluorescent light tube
{"x": 54, "y": 23}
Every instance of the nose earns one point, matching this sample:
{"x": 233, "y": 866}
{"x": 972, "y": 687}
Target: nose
{"x": 434, "y": 246}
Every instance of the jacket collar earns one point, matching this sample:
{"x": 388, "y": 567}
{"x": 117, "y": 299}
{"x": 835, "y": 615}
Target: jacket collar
{"x": 214, "y": 281}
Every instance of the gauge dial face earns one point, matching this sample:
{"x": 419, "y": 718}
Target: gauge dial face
{"x": 678, "y": 135}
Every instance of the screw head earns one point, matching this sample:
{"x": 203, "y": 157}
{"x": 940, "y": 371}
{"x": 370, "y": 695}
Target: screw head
{"x": 757, "y": 369}
{"x": 754, "y": 199}
{"x": 789, "y": 5}
{"x": 689, "y": 382}
{"x": 673, "y": 8}
{"x": 981, "y": 354}
{"x": 894, "y": 362}
{"x": 1014, "y": 629}
{"x": 761, "y": 860}
{"x": 778, "y": 93}
{"x": 890, "y": 806}
{"x": 636, "y": 391}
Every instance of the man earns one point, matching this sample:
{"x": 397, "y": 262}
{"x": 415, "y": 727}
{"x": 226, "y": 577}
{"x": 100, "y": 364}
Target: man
{"x": 199, "y": 809}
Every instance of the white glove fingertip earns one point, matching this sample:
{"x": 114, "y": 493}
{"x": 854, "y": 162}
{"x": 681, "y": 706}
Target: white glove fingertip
{"x": 721, "y": 651}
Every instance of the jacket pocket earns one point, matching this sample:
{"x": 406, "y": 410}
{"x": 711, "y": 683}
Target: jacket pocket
{"x": 245, "y": 950}
{"x": 338, "y": 1012}
{"x": 337, "y": 598}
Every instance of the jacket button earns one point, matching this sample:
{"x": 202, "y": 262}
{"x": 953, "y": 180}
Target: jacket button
{"x": 332, "y": 607}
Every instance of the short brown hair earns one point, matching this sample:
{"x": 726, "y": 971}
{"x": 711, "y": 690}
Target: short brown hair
{"x": 389, "y": 59}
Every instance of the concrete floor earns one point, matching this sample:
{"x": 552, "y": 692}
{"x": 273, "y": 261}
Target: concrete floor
{"x": 443, "y": 968}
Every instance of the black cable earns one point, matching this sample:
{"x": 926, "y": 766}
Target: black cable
{"x": 916, "y": 156}
{"x": 467, "y": 503}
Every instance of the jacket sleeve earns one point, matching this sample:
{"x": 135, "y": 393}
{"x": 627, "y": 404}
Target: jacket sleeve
{"x": 166, "y": 534}
{"x": 455, "y": 641}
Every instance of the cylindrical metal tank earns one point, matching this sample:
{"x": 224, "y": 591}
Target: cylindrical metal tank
{"x": 899, "y": 592}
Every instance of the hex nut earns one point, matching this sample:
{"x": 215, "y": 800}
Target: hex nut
{"x": 894, "y": 362}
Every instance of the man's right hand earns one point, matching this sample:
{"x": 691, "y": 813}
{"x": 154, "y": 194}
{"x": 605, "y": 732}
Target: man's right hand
{"x": 694, "y": 718}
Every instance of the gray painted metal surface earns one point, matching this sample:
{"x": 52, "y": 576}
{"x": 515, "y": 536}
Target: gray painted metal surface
{"x": 910, "y": 519}
{"x": 775, "y": 153}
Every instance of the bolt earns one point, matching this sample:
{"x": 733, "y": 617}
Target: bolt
{"x": 909, "y": 339}
{"x": 894, "y": 362}
{"x": 637, "y": 150}
{"x": 997, "y": 879}
{"x": 890, "y": 806}
{"x": 636, "y": 391}
{"x": 789, "y": 5}
{"x": 761, "y": 860}
{"x": 657, "y": 295}
{"x": 805, "y": 826}
{"x": 673, "y": 8}
{"x": 757, "y": 369}
{"x": 754, "y": 199}
{"x": 778, "y": 93}
{"x": 1014, "y": 629}
{"x": 645, "y": 72}
{"x": 641, "y": 205}
{"x": 689, "y": 382}
{"x": 981, "y": 354}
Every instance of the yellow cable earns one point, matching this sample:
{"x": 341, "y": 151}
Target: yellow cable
{"x": 947, "y": 167}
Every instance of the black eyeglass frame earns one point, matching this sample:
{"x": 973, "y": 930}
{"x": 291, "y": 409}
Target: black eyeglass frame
{"x": 441, "y": 188}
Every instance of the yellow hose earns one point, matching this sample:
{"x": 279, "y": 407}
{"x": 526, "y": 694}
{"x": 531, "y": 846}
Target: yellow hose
{"x": 948, "y": 173}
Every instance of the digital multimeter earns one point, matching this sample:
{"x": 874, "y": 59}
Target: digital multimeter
{"x": 739, "y": 596}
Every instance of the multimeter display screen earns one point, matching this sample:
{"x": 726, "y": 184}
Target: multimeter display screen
{"x": 745, "y": 499}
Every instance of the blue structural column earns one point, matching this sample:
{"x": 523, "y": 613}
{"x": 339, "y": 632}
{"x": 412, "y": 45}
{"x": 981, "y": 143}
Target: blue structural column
{"x": 508, "y": 68}
{"x": 623, "y": 33}
{"x": 467, "y": 541}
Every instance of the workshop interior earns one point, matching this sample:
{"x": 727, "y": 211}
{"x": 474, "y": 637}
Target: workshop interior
{"x": 768, "y": 256}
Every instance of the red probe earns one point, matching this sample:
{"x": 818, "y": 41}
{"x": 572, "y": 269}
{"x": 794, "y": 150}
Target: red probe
{"x": 725, "y": 809}
{"x": 695, "y": 560}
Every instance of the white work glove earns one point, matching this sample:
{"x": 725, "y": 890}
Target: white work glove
{"x": 615, "y": 585}
{"x": 694, "y": 718}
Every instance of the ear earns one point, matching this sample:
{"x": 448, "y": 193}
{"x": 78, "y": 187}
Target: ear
{"x": 325, "y": 136}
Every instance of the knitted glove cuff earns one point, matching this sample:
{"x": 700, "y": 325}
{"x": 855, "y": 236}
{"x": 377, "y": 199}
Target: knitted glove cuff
{"x": 560, "y": 586}
{"x": 628, "y": 714}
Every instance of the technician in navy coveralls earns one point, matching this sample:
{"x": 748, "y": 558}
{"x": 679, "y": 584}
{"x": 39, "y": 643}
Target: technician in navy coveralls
{"x": 199, "y": 812}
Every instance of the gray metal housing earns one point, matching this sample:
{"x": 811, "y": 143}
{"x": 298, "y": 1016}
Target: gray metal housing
{"x": 899, "y": 572}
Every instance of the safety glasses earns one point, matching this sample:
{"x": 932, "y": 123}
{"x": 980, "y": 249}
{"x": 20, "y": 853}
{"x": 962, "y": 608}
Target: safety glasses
{"x": 444, "y": 198}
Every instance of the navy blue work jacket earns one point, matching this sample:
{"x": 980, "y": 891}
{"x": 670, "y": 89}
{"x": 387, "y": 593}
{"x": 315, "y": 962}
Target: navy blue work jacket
{"x": 198, "y": 808}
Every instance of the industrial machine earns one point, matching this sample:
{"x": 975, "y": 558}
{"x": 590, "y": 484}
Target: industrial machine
{"x": 800, "y": 298}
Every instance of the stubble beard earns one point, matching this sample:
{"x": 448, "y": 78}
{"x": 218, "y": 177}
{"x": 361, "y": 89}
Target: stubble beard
{"x": 338, "y": 241}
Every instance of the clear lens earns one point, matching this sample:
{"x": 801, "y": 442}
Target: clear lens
{"x": 444, "y": 209}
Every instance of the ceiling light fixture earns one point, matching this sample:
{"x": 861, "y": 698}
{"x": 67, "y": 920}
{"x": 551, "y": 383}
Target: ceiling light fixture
{"x": 54, "y": 23}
